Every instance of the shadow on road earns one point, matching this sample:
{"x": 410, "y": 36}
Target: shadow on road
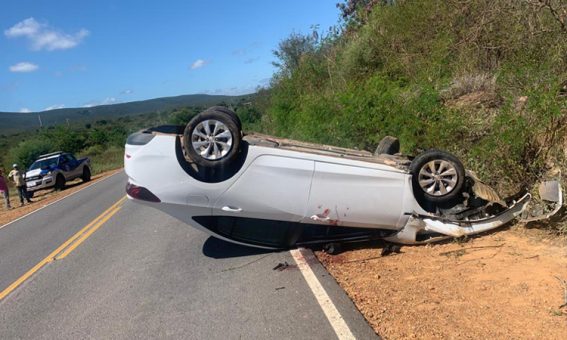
{"x": 219, "y": 249}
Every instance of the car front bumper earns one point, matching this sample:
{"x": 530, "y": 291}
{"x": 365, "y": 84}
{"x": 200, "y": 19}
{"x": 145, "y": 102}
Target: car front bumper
{"x": 443, "y": 229}
{"x": 41, "y": 183}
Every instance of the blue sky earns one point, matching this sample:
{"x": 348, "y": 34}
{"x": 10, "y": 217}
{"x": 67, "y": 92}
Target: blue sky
{"x": 61, "y": 53}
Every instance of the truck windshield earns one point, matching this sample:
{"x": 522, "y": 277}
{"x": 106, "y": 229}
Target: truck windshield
{"x": 44, "y": 163}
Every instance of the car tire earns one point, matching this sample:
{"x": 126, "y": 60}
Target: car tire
{"x": 388, "y": 145}
{"x": 86, "y": 174}
{"x": 437, "y": 177}
{"x": 229, "y": 112}
{"x": 59, "y": 182}
{"x": 212, "y": 138}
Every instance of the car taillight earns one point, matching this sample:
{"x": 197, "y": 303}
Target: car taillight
{"x": 141, "y": 193}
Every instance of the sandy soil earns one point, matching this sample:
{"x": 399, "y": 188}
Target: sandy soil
{"x": 44, "y": 197}
{"x": 502, "y": 285}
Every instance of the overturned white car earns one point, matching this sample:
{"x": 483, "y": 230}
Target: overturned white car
{"x": 269, "y": 192}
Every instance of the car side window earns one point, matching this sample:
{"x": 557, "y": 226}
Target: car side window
{"x": 66, "y": 159}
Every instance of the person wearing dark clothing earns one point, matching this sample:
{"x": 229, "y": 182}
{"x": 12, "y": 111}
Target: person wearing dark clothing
{"x": 4, "y": 192}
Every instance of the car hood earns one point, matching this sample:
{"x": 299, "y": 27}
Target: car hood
{"x": 33, "y": 172}
{"x": 36, "y": 172}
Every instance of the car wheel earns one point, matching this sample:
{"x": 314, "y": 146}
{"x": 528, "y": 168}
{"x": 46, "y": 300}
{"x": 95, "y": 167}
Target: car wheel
{"x": 437, "y": 177}
{"x": 59, "y": 182}
{"x": 229, "y": 112}
{"x": 388, "y": 145}
{"x": 86, "y": 174}
{"x": 212, "y": 138}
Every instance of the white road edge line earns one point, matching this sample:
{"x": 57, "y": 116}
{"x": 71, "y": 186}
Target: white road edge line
{"x": 58, "y": 200}
{"x": 337, "y": 322}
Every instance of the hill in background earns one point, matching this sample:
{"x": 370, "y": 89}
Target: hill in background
{"x": 14, "y": 122}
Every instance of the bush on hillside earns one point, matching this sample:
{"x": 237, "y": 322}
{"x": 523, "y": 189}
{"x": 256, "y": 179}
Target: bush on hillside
{"x": 26, "y": 152}
{"x": 478, "y": 78}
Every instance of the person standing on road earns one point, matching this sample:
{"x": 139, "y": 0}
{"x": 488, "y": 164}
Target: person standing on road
{"x": 18, "y": 177}
{"x": 4, "y": 190}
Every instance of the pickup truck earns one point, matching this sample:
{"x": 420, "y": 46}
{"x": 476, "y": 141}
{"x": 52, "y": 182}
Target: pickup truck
{"x": 55, "y": 169}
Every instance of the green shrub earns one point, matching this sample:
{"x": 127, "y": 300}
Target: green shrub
{"x": 111, "y": 158}
{"x": 480, "y": 79}
{"x": 26, "y": 152}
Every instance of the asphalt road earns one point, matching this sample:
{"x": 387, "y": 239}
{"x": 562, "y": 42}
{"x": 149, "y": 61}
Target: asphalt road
{"x": 144, "y": 274}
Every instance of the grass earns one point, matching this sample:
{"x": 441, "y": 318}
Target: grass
{"x": 109, "y": 159}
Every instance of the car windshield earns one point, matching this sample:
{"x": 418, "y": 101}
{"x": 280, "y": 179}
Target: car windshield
{"x": 44, "y": 163}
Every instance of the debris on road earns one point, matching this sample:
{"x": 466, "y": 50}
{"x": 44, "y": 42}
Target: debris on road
{"x": 390, "y": 248}
{"x": 281, "y": 266}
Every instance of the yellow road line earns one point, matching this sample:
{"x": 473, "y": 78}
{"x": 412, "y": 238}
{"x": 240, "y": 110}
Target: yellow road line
{"x": 94, "y": 223}
{"x": 87, "y": 234}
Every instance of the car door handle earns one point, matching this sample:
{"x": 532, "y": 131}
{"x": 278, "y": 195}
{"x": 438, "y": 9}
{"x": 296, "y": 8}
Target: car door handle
{"x": 231, "y": 209}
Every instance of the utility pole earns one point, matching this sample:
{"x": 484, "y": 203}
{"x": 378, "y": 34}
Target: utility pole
{"x": 39, "y": 118}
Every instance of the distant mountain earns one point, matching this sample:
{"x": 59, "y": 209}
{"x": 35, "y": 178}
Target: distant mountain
{"x": 13, "y": 122}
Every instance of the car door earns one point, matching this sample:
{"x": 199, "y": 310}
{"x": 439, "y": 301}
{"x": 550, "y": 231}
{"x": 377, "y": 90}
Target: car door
{"x": 66, "y": 166}
{"x": 348, "y": 195}
{"x": 266, "y": 203}
{"x": 75, "y": 171}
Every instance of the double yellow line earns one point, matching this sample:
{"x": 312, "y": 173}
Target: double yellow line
{"x": 68, "y": 246}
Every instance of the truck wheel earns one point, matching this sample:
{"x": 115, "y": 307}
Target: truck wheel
{"x": 437, "y": 177}
{"x": 86, "y": 174}
{"x": 59, "y": 182}
{"x": 212, "y": 138}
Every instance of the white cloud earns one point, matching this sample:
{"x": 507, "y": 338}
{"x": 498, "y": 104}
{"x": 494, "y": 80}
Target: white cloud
{"x": 54, "y": 107}
{"x": 198, "y": 64}
{"x": 127, "y": 91}
{"x": 105, "y": 101}
{"x": 109, "y": 100}
{"x": 25, "y": 110}
{"x": 23, "y": 67}
{"x": 42, "y": 36}
{"x": 27, "y": 27}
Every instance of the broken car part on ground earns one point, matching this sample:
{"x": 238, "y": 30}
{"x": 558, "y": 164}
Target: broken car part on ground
{"x": 277, "y": 193}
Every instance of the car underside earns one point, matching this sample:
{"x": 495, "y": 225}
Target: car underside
{"x": 271, "y": 192}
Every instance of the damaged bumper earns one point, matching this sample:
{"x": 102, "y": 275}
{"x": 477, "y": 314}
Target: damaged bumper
{"x": 424, "y": 229}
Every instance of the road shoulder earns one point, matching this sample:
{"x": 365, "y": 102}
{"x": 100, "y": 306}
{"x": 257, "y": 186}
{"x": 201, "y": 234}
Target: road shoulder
{"x": 46, "y": 197}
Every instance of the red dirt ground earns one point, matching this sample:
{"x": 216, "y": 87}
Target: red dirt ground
{"x": 501, "y": 285}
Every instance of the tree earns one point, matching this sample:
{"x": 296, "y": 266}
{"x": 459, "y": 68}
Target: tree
{"x": 182, "y": 116}
{"x": 356, "y": 11}
{"x": 65, "y": 139}
{"x": 98, "y": 137}
{"x": 26, "y": 152}
{"x": 291, "y": 50}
